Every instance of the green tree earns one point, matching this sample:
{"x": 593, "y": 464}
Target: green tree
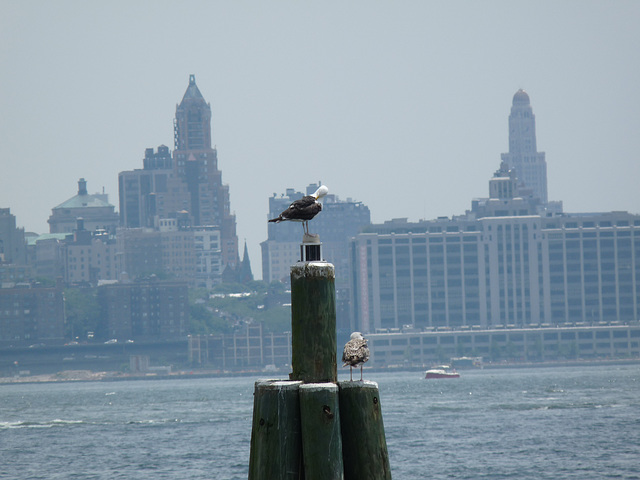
{"x": 204, "y": 321}
{"x": 217, "y": 310}
{"x": 82, "y": 312}
{"x": 495, "y": 351}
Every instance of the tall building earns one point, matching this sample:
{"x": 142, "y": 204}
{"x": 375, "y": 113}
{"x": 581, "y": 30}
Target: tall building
{"x": 12, "y": 241}
{"x": 138, "y": 189}
{"x": 187, "y": 182}
{"x": 512, "y": 260}
{"x": 529, "y": 164}
{"x": 518, "y": 270}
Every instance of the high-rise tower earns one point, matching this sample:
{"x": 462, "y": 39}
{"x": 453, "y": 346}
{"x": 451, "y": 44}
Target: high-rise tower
{"x": 529, "y": 164}
{"x": 186, "y": 185}
{"x": 192, "y": 125}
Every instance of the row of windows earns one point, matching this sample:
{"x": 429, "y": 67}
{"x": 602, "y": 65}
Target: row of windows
{"x": 582, "y": 336}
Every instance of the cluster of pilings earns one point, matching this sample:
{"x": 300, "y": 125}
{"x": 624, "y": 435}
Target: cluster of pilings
{"x": 312, "y": 426}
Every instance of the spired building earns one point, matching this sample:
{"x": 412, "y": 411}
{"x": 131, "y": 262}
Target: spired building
{"x": 529, "y": 164}
{"x": 185, "y": 183}
{"x": 506, "y": 262}
{"x": 514, "y": 270}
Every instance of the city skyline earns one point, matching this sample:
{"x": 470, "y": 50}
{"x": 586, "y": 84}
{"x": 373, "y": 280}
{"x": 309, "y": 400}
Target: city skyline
{"x": 297, "y": 97}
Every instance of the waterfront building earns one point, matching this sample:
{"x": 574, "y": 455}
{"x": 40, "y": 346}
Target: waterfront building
{"x": 533, "y": 344}
{"x": 145, "y": 310}
{"x": 187, "y": 182}
{"x": 513, "y": 259}
{"x": 30, "y": 313}
{"x": 250, "y": 346}
{"x": 593, "y": 266}
{"x": 94, "y": 209}
{"x": 515, "y": 270}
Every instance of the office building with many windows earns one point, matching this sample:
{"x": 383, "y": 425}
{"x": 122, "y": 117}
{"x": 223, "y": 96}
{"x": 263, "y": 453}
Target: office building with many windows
{"x": 492, "y": 271}
{"x": 514, "y": 259}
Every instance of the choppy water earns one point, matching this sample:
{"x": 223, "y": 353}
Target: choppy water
{"x": 551, "y": 423}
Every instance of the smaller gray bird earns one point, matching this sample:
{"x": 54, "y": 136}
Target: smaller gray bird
{"x": 355, "y": 353}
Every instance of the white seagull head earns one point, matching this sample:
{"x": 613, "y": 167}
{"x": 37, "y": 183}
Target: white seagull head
{"x": 320, "y": 192}
{"x": 357, "y": 335}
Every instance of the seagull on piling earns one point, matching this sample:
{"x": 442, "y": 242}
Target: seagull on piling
{"x": 356, "y": 352}
{"x": 304, "y": 209}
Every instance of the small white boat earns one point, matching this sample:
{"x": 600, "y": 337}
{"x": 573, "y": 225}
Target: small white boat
{"x": 441, "y": 371}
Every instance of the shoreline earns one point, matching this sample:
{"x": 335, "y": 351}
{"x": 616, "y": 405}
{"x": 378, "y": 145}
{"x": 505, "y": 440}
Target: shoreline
{"x": 67, "y": 376}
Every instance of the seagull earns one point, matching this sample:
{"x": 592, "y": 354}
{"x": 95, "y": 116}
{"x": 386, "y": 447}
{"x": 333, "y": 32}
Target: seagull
{"x": 304, "y": 209}
{"x": 355, "y": 353}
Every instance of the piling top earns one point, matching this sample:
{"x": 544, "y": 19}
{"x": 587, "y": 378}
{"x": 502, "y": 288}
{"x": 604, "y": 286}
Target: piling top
{"x": 278, "y": 384}
{"x": 313, "y": 269}
{"x": 317, "y": 387}
{"x": 312, "y": 238}
{"x": 359, "y": 384}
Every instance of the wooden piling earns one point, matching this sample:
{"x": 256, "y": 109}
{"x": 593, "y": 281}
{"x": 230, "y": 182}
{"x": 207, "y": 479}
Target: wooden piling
{"x": 364, "y": 446}
{"x": 321, "y": 439}
{"x": 313, "y": 322}
{"x": 276, "y": 438}
{"x": 310, "y": 428}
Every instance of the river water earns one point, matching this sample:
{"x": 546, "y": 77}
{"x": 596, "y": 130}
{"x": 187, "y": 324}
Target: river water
{"x": 539, "y": 423}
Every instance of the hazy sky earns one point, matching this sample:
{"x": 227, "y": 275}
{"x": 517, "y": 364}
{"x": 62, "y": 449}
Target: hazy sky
{"x": 402, "y": 105}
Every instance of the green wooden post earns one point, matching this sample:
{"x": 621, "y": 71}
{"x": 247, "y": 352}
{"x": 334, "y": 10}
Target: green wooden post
{"x": 321, "y": 440}
{"x": 310, "y": 428}
{"x": 276, "y": 448}
{"x": 364, "y": 447}
{"x": 313, "y": 322}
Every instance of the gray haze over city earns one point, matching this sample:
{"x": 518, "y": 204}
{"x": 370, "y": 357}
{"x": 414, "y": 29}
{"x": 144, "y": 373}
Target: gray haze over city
{"x": 400, "y": 105}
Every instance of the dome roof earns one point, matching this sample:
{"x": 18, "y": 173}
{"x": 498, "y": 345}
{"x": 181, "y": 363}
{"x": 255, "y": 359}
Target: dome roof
{"x": 521, "y": 97}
